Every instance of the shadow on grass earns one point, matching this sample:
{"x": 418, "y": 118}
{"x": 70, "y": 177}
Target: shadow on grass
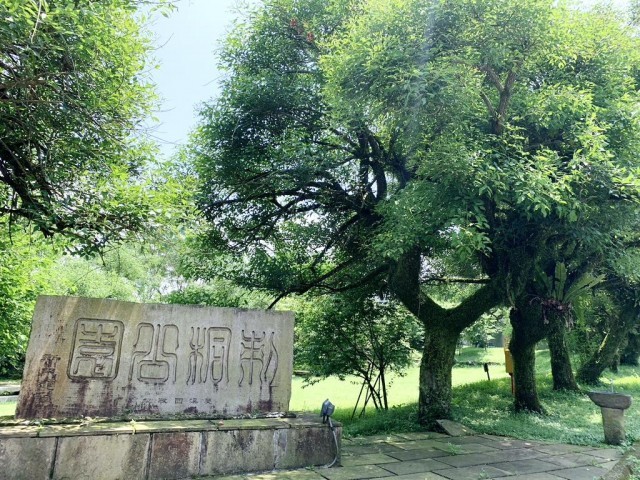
{"x": 487, "y": 407}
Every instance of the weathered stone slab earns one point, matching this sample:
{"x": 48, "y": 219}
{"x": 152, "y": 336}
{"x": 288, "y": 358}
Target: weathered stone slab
{"x": 237, "y": 451}
{"x": 164, "y": 449}
{"x": 313, "y": 446}
{"x": 355, "y": 473}
{"x": 26, "y": 458}
{"x": 175, "y": 455}
{"x": 19, "y": 431}
{"x": 454, "y": 429}
{"x": 101, "y": 457}
{"x": 95, "y": 357}
{"x": 87, "y": 430}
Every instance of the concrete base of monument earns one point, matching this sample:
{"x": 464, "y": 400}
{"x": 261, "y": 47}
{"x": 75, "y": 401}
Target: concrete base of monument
{"x": 165, "y": 449}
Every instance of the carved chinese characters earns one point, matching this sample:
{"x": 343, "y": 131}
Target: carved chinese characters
{"x": 104, "y": 358}
{"x": 96, "y": 348}
{"x": 154, "y": 358}
{"x": 209, "y": 358}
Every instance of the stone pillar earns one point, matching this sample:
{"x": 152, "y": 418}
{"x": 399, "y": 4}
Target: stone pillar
{"x": 613, "y": 423}
{"x": 612, "y": 406}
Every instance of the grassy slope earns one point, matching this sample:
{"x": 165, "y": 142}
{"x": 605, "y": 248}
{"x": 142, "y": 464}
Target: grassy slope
{"x": 483, "y": 405}
{"x": 403, "y": 390}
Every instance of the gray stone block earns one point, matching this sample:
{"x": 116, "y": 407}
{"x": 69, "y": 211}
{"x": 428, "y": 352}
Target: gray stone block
{"x": 26, "y": 458}
{"x": 454, "y": 429}
{"x": 235, "y": 451}
{"x": 298, "y": 447}
{"x": 101, "y": 457}
{"x": 175, "y": 455}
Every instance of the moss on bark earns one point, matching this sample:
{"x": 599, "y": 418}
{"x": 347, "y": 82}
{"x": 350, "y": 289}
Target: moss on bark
{"x": 561, "y": 369}
{"x": 435, "y": 375}
{"x": 528, "y": 330}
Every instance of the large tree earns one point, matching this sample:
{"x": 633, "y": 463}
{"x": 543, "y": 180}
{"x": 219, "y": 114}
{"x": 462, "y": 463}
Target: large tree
{"x": 384, "y": 142}
{"x": 73, "y": 96}
{"x": 304, "y": 193}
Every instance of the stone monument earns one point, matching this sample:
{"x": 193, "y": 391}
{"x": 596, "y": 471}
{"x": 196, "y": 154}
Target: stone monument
{"x": 187, "y": 375}
{"x": 95, "y": 357}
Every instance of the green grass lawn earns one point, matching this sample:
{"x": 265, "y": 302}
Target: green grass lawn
{"x": 7, "y": 409}
{"x": 403, "y": 389}
{"x": 485, "y": 406}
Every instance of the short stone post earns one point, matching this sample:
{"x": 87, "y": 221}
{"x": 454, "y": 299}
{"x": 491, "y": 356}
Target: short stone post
{"x": 612, "y": 407}
{"x": 613, "y": 423}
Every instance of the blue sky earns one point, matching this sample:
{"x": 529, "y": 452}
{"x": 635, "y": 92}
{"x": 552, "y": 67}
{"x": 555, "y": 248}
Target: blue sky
{"x": 187, "y": 75}
{"x": 186, "y": 45}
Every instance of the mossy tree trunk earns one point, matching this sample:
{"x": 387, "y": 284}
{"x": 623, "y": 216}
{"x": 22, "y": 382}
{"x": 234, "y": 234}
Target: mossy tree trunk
{"x": 605, "y": 355}
{"x": 561, "y": 369}
{"x": 438, "y": 357}
{"x": 442, "y": 331}
{"x": 528, "y": 330}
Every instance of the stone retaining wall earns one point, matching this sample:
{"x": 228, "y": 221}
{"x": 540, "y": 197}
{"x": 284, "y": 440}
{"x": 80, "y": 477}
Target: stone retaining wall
{"x": 163, "y": 449}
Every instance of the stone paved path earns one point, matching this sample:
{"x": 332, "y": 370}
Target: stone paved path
{"x": 434, "y": 456}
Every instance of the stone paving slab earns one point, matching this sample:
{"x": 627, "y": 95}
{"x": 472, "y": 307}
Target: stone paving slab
{"x": 292, "y": 475}
{"x": 20, "y": 431}
{"x": 561, "y": 448}
{"x": 605, "y": 453}
{"x": 419, "y": 444}
{"x": 472, "y": 473}
{"x": 506, "y": 443}
{"x": 355, "y": 473}
{"x": 407, "y": 455}
{"x": 420, "y": 476}
{"x": 454, "y": 428}
{"x": 581, "y": 473}
{"x": 468, "y": 448}
{"x": 472, "y": 459}
{"x": 415, "y": 466}
{"x": 531, "y": 476}
{"x": 573, "y": 460}
{"x": 376, "y": 439}
{"x": 518, "y": 454}
{"x": 525, "y": 467}
{"x": 366, "y": 459}
{"x": 608, "y": 465}
{"x": 372, "y": 448}
{"x": 422, "y": 435}
{"x": 428, "y": 456}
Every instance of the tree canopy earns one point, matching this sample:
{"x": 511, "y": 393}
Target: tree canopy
{"x": 73, "y": 95}
{"x": 384, "y": 142}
